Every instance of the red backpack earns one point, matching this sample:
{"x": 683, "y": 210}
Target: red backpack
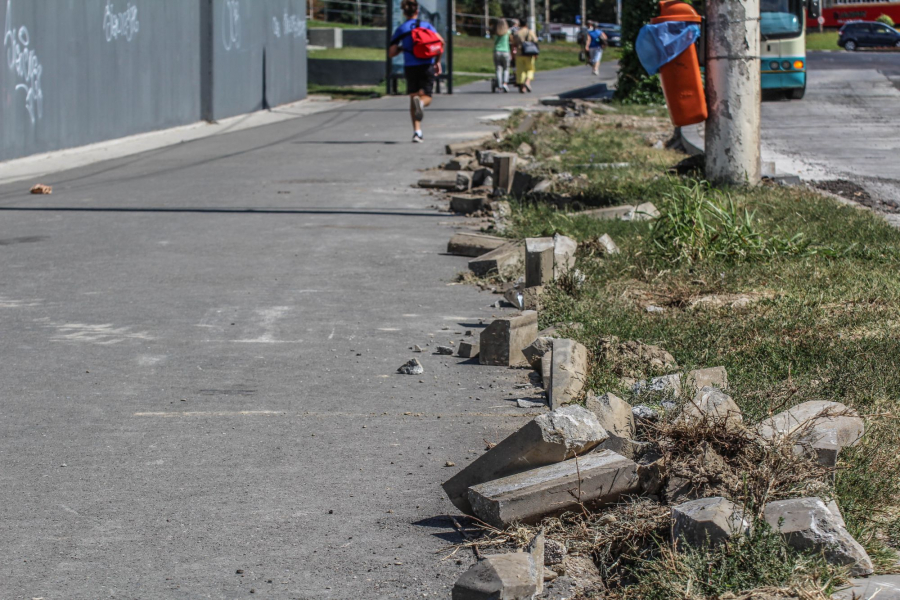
{"x": 426, "y": 43}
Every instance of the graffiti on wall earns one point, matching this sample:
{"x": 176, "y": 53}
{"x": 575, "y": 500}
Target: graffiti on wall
{"x": 23, "y": 62}
{"x": 290, "y": 26}
{"x": 231, "y": 25}
{"x": 122, "y": 24}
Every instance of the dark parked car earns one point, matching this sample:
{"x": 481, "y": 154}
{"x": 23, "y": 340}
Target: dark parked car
{"x": 867, "y": 34}
{"x": 613, "y": 33}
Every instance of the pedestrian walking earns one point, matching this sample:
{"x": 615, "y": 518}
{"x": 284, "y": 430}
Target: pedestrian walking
{"x": 422, "y": 47}
{"x": 526, "y": 49}
{"x": 502, "y": 55}
{"x": 594, "y": 45}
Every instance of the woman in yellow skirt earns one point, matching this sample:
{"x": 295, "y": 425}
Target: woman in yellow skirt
{"x": 525, "y": 48}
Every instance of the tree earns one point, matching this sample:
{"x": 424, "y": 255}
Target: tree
{"x": 634, "y": 84}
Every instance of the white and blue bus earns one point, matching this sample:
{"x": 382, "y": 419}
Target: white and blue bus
{"x": 782, "y": 28}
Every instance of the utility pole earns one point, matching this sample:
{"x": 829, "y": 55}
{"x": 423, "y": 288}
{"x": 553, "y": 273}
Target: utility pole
{"x": 583, "y": 14}
{"x": 487, "y": 20}
{"x": 733, "y": 91}
{"x": 619, "y": 13}
{"x": 547, "y": 18}
{"x": 532, "y": 20}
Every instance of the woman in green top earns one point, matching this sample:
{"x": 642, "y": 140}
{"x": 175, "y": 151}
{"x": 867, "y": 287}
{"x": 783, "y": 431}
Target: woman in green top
{"x": 502, "y": 57}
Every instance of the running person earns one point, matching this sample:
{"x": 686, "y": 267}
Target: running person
{"x": 420, "y": 72}
{"x": 594, "y": 44}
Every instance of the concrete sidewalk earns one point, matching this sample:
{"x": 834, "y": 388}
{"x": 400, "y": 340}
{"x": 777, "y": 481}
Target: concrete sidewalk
{"x": 199, "y": 351}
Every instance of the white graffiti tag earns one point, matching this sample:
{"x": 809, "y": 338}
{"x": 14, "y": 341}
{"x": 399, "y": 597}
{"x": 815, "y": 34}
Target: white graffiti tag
{"x": 124, "y": 24}
{"x": 294, "y": 25}
{"x": 24, "y": 63}
{"x": 276, "y": 27}
{"x": 231, "y": 30}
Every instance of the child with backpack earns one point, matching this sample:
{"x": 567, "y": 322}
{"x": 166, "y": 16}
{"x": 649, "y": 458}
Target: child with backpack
{"x": 422, "y": 47}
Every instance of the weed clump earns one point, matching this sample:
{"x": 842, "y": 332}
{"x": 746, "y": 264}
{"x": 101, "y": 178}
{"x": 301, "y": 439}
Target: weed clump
{"x": 699, "y": 223}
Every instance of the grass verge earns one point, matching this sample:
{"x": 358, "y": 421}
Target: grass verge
{"x": 826, "y": 40}
{"x": 795, "y": 294}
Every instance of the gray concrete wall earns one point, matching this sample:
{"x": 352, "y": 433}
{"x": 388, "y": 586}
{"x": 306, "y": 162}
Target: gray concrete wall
{"x": 258, "y": 55}
{"x": 76, "y": 72}
{"x": 81, "y": 71}
{"x": 324, "y": 71}
{"x": 365, "y": 38}
{"x": 327, "y": 37}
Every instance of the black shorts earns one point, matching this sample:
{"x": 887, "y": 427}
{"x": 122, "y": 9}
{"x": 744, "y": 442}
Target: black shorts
{"x": 420, "y": 78}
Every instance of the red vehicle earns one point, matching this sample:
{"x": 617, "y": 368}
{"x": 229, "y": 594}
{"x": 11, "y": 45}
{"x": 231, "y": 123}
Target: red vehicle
{"x": 838, "y": 12}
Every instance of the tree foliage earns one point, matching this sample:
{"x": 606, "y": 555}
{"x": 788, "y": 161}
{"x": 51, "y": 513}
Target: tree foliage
{"x": 635, "y": 85}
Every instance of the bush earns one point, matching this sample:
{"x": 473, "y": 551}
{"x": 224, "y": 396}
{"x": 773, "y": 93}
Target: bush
{"x": 634, "y": 85}
{"x": 886, "y": 19}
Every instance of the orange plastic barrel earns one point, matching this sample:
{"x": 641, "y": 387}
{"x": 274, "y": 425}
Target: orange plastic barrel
{"x": 681, "y": 80}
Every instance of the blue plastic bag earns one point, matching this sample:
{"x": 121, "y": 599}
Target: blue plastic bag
{"x": 661, "y": 43}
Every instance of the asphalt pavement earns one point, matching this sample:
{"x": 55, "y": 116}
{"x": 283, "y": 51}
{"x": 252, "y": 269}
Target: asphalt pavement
{"x": 199, "y": 346}
{"x": 845, "y": 126}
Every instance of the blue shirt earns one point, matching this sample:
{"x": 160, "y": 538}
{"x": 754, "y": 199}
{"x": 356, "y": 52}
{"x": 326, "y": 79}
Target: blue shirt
{"x": 595, "y": 35}
{"x": 410, "y": 59}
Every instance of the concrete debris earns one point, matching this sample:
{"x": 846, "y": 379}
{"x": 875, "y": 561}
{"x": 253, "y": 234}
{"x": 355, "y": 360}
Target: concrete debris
{"x": 547, "y": 259}
{"x": 417, "y": 348}
{"x": 554, "y": 552}
{"x": 547, "y": 439}
{"x": 881, "y": 587}
{"x": 457, "y": 181}
{"x": 642, "y": 212}
{"x": 445, "y": 350}
{"x": 41, "y": 189}
{"x": 610, "y": 213}
{"x": 527, "y": 497}
{"x": 818, "y": 427}
{"x": 715, "y": 406}
{"x": 459, "y": 163}
{"x": 835, "y": 511}
{"x": 501, "y": 212}
{"x": 543, "y": 186}
{"x": 466, "y": 203}
{"x": 632, "y": 358}
{"x": 499, "y": 260}
{"x": 470, "y": 146}
{"x": 617, "y": 418}
{"x": 512, "y": 576}
{"x": 664, "y": 386}
{"x": 644, "y": 413}
{"x": 514, "y": 296}
{"x": 485, "y": 158}
{"x": 549, "y": 575}
{"x": 524, "y": 149}
{"x": 503, "y": 341}
{"x": 710, "y": 377}
{"x": 608, "y": 245}
{"x": 708, "y": 521}
{"x": 535, "y": 351}
{"x": 474, "y": 244}
{"x": 807, "y": 524}
{"x": 504, "y": 172}
{"x": 412, "y": 367}
{"x": 586, "y": 575}
{"x": 522, "y": 183}
{"x": 522, "y": 403}
{"x": 468, "y": 349}
{"x": 568, "y": 372}
{"x": 531, "y": 297}
{"x": 483, "y": 179}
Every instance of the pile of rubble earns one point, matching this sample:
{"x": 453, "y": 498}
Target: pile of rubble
{"x": 662, "y": 460}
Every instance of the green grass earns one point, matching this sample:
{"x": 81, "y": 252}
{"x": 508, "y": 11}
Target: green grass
{"x": 350, "y": 54}
{"x": 334, "y": 24}
{"x": 822, "y": 41}
{"x": 826, "y": 327}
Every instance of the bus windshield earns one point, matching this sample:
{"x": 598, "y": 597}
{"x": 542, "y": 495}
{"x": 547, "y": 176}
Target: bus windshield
{"x": 780, "y": 18}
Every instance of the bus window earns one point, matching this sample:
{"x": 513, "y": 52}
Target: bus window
{"x": 780, "y": 18}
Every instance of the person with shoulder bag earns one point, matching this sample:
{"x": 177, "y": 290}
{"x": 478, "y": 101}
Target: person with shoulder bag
{"x": 526, "y": 50}
{"x": 502, "y": 56}
{"x": 422, "y": 47}
{"x": 594, "y": 45}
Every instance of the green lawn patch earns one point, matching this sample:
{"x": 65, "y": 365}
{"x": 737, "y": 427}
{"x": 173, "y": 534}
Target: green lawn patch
{"x": 822, "y": 41}
{"x": 334, "y": 24}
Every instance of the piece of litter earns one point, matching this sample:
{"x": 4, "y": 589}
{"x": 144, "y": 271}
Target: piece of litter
{"x": 449, "y": 463}
{"x": 417, "y": 348}
{"x": 522, "y": 403}
{"x": 655, "y": 309}
{"x": 42, "y": 189}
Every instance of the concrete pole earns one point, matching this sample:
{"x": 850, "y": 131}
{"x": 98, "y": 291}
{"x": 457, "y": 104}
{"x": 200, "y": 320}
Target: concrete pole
{"x": 733, "y": 91}
{"x": 532, "y": 19}
{"x": 487, "y": 20}
{"x": 547, "y": 18}
{"x": 583, "y": 14}
{"x": 619, "y": 13}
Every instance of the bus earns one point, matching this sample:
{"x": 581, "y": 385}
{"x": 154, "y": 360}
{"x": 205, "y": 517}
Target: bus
{"x": 782, "y": 28}
{"x": 838, "y": 12}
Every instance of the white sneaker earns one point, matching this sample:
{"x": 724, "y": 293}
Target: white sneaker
{"x": 417, "y": 106}
{"x": 417, "y": 138}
